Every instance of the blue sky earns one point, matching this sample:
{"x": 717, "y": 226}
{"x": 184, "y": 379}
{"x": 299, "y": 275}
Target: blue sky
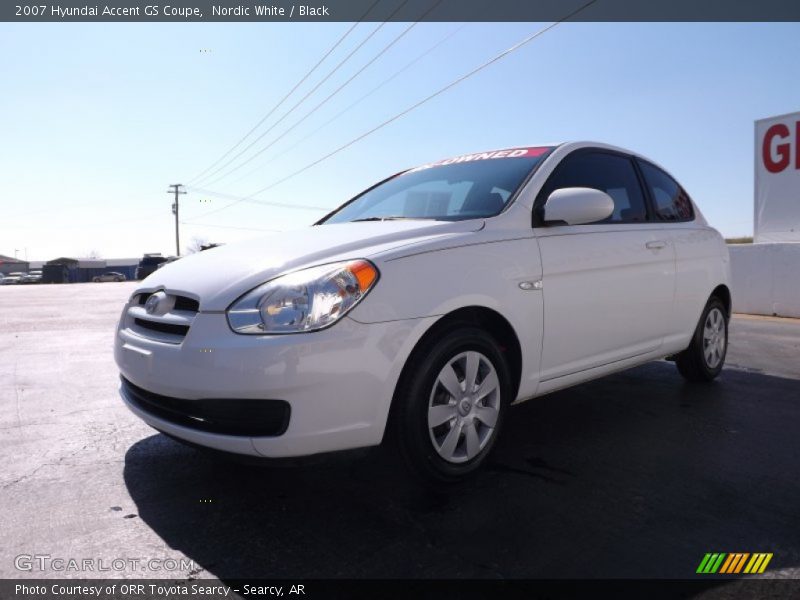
{"x": 97, "y": 119}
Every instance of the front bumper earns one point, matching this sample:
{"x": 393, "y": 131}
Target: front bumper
{"x": 338, "y": 382}
{"x": 226, "y": 416}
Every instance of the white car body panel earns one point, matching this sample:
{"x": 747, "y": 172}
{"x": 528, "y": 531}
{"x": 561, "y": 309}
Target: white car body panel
{"x": 583, "y": 301}
{"x": 702, "y": 263}
{"x": 218, "y": 276}
{"x": 491, "y": 280}
{"x": 334, "y": 379}
{"x": 602, "y": 288}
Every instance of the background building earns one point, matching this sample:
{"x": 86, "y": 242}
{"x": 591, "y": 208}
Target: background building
{"x": 72, "y": 270}
{"x": 11, "y": 265}
{"x": 81, "y": 270}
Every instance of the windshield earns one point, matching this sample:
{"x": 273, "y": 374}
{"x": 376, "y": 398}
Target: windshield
{"x": 472, "y": 186}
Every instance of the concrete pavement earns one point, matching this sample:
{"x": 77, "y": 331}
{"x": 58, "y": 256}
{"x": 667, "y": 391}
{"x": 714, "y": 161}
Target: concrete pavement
{"x": 635, "y": 475}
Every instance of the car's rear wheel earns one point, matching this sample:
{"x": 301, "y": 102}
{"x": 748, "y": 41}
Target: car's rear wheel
{"x": 450, "y": 405}
{"x": 705, "y": 356}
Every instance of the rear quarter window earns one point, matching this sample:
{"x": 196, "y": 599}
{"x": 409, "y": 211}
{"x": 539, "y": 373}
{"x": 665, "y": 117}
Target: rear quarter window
{"x": 670, "y": 201}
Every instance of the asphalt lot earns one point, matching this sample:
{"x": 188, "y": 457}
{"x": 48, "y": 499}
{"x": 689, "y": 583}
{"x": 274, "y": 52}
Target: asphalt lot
{"x": 635, "y": 475}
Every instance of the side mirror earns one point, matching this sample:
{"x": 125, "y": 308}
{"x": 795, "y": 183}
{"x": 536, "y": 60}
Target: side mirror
{"x": 577, "y": 206}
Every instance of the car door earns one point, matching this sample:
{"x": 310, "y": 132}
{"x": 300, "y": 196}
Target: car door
{"x": 609, "y": 286}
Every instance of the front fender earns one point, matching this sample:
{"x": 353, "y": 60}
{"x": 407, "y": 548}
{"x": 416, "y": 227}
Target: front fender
{"x": 488, "y": 274}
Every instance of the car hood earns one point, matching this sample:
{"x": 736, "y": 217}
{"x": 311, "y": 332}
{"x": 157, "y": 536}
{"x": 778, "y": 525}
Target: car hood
{"x": 218, "y": 276}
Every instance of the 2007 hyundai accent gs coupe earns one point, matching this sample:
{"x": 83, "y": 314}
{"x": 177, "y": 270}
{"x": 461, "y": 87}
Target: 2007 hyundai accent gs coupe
{"x": 428, "y": 304}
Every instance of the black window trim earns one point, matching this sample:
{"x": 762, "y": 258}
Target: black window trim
{"x": 537, "y": 216}
{"x": 651, "y": 200}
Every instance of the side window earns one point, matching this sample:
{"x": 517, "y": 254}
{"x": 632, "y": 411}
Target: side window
{"x": 611, "y": 173}
{"x": 670, "y": 200}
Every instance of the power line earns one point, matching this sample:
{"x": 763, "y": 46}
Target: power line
{"x": 289, "y": 93}
{"x": 220, "y": 209}
{"x": 303, "y": 99}
{"x": 238, "y": 199}
{"x": 206, "y": 192}
{"x": 358, "y": 101}
{"x": 274, "y": 108}
{"x": 438, "y": 92}
{"x": 326, "y": 99}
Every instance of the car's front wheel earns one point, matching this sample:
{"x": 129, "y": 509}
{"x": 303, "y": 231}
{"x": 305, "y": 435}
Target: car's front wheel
{"x": 450, "y": 404}
{"x": 705, "y": 356}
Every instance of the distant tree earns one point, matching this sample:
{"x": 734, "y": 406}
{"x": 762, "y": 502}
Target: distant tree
{"x": 93, "y": 254}
{"x": 196, "y": 245}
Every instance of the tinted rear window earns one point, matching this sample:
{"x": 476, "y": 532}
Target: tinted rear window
{"x": 670, "y": 200}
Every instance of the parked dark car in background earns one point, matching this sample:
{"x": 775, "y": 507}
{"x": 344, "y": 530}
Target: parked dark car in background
{"x": 149, "y": 264}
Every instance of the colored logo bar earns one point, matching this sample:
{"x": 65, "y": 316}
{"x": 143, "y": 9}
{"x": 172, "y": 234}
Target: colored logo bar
{"x": 734, "y": 563}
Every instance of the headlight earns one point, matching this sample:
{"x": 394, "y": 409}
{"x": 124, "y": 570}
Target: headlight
{"x": 305, "y": 300}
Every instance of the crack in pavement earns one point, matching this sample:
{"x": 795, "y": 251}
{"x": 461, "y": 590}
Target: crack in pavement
{"x": 58, "y": 463}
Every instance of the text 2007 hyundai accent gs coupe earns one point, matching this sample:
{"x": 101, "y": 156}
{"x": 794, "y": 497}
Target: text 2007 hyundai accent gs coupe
{"x": 427, "y": 305}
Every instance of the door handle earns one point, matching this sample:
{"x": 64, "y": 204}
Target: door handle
{"x": 656, "y": 245}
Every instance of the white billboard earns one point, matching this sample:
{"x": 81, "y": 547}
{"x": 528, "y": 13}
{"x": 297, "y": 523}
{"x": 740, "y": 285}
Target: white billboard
{"x": 777, "y": 179}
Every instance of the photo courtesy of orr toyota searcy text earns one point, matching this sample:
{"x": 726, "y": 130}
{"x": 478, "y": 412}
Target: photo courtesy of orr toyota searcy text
{"x": 137, "y": 590}
{"x": 427, "y": 305}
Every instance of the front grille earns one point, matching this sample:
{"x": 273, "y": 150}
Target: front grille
{"x": 169, "y": 327}
{"x": 180, "y": 330}
{"x": 181, "y": 302}
{"x": 187, "y": 304}
{"x": 231, "y": 416}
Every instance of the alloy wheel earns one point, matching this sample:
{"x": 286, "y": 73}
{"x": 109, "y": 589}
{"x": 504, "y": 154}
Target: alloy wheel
{"x": 714, "y": 338}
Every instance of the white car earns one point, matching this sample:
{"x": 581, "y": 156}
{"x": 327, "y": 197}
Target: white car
{"x": 110, "y": 276}
{"x": 34, "y": 276}
{"x": 13, "y": 278}
{"x": 427, "y": 305}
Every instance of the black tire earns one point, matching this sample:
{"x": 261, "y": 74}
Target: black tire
{"x": 693, "y": 362}
{"x": 409, "y": 423}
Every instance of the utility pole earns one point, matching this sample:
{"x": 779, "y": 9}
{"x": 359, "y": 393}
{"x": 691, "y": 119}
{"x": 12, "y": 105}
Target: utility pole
{"x": 175, "y": 188}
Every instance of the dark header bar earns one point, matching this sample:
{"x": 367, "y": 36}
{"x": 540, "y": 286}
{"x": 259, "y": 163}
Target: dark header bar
{"x": 716, "y": 588}
{"x": 399, "y": 10}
